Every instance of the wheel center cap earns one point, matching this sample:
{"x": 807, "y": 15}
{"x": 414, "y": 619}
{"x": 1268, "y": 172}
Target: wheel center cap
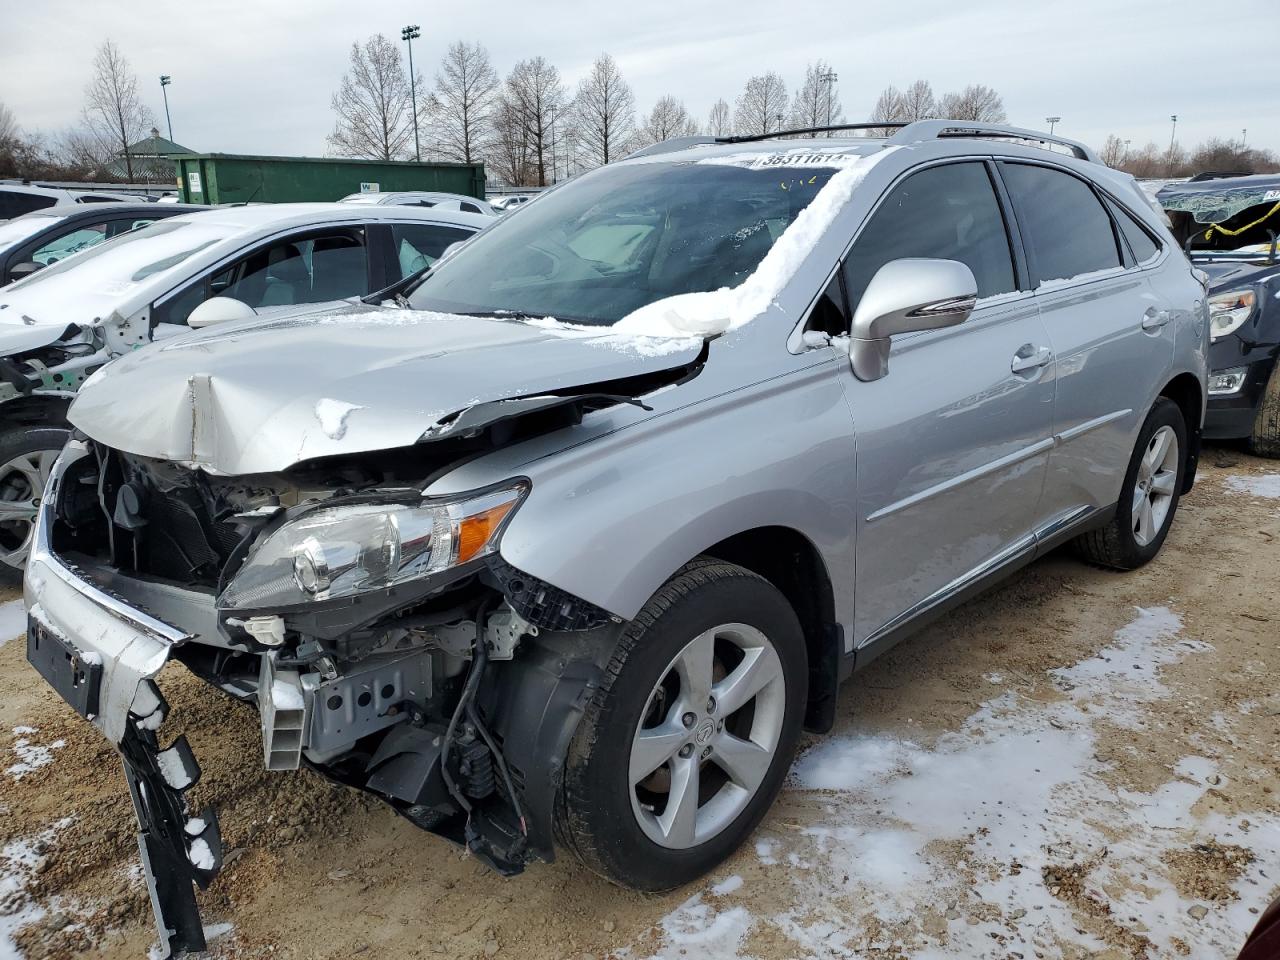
{"x": 705, "y": 731}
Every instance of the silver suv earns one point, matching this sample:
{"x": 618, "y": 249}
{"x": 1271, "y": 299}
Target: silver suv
{"x": 565, "y": 546}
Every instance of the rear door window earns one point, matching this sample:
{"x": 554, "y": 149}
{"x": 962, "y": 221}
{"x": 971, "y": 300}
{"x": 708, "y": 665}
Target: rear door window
{"x": 14, "y": 203}
{"x": 419, "y": 245}
{"x": 948, "y": 212}
{"x": 1065, "y": 228}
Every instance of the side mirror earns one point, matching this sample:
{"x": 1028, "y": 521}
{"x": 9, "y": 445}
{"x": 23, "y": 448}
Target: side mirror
{"x": 20, "y": 270}
{"x": 905, "y": 296}
{"x": 219, "y": 310}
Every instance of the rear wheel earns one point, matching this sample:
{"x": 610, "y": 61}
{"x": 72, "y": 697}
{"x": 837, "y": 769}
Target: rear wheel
{"x": 1265, "y": 440}
{"x": 1149, "y": 496}
{"x": 26, "y": 458}
{"x": 684, "y": 747}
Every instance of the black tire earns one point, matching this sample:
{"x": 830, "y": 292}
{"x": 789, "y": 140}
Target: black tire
{"x": 19, "y": 441}
{"x": 1265, "y": 439}
{"x": 1115, "y": 545}
{"x": 594, "y": 815}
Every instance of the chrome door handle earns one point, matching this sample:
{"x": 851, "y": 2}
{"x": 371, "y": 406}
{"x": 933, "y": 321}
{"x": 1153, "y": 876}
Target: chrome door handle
{"x": 1029, "y": 357}
{"x": 1154, "y": 319}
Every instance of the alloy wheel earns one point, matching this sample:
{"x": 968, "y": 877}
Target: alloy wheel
{"x": 708, "y": 735}
{"x": 22, "y": 483}
{"x": 1155, "y": 485}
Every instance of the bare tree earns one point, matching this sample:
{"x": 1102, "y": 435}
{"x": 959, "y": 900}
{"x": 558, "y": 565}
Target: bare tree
{"x": 976, "y": 102}
{"x": 816, "y": 103}
{"x": 720, "y": 124}
{"x": 508, "y": 152}
{"x": 668, "y": 118}
{"x": 918, "y": 102}
{"x": 1113, "y": 151}
{"x": 533, "y": 100}
{"x": 762, "y": 105}
{"x": 466, "y": 88}
{"x": 605, "y": 111}
{"x": 9, "y": 132}
{"x": 374, "y": 104}
{"x": 890, "y": 106}
{"x": 113, "y": 113}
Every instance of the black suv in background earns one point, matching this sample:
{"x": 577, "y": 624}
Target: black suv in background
{"x": 1230, "y": 227}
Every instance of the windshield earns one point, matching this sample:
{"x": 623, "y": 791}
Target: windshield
{"x": 622, "y": 237}
{"x": 13, "y": 232}
{"x": 132, "y": 257}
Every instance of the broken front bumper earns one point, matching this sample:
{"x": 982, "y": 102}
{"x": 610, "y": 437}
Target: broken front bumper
{"x": 102, "y": 656}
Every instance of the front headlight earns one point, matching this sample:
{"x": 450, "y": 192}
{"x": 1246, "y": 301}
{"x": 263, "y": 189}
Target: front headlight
{"x": 1228, "y": 312}
{"x": 341, "y": 550}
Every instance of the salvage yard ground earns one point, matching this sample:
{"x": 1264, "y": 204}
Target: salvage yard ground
{"x": 1079, "y": 764}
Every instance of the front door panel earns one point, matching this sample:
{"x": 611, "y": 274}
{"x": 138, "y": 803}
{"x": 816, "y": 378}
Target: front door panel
{"x": 952, "y": 449}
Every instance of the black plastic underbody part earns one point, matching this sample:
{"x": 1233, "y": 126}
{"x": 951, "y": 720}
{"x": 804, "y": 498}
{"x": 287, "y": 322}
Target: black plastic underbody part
{"x": 162, "y": 842}
{"x": 545, "y": 606}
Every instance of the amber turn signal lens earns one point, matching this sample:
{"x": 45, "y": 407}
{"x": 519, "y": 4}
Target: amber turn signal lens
{"x": 475, "y": 532}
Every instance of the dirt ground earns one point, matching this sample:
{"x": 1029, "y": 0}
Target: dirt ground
{"x": 1080, "y": 763}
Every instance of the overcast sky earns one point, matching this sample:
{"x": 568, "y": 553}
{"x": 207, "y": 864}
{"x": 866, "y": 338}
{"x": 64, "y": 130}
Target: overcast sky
{"x": 249, "y": 77}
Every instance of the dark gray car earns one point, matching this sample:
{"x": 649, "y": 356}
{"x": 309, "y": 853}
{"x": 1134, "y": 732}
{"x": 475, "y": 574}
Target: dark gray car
{"x": 565, "y": 548}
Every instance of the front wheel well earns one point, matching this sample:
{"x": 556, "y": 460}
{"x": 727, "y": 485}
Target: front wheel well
{"x": 790, "y": 561}
{"x": 1185, "y": 391}
{"x": 35, "y": 410}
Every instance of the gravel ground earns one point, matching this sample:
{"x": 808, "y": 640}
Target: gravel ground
{"x": 1078, "y": 764}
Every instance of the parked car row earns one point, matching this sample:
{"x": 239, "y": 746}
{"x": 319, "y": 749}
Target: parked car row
{"x": 560, "y": 543}
{"x": 169, "y": 268}
{"x": 19, "y": 198}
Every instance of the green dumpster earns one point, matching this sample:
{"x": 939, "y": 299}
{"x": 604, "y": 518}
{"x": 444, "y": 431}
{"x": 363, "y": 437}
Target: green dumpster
{"x": 235, "y": 178}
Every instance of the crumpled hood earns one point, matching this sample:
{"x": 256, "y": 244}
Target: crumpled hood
{"x": 264, "y": 394}
{"x": 1223, "y": 276}
{"x": 20, "y": 336}
{"x": 56, "y": 303}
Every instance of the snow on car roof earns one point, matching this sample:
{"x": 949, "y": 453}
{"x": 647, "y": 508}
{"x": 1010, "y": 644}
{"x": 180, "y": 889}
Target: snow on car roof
{"x": 257, "y": 216}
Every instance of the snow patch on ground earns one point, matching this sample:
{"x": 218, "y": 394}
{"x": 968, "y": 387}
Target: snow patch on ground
{"x": 13, "y": 621}
{"x": 1019, "y": 795}
{"x": 31, "y": 756}
{"x": 19, "y": 862}
{"x": 332, "y": 415}
{"x": 1266, "y": 486}
{"x": 698, "y": 931}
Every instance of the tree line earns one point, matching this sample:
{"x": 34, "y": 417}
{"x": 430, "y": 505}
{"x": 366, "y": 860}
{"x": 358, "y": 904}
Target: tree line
{"x": 529, "y": 127}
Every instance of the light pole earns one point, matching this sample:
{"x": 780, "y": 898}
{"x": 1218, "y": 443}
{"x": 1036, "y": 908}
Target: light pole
{"x": 1052, "y": 122}
{"x": 1126, "y": 151}
{"x": 1172, "y": 134}
{"x": 1244, "y": 136}
{"x": 165, "y": 80}
{"x": 829, "y": 78}
{"x": 408, "y": 35}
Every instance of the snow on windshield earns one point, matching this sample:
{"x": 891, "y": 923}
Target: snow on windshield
{"x": 712, "y": 312}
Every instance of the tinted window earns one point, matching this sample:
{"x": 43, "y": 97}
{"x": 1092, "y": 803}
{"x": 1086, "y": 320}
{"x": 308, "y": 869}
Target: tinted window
{"x": 948, "y": 212}
{"x": 310, "y": 270}
{"x": 420, "y": 245}
{"x": 15, "y": 204}
{"x": 1064, "y": 227}
{"x": 297, "y": 271}
{"x": 1140, "y": 242}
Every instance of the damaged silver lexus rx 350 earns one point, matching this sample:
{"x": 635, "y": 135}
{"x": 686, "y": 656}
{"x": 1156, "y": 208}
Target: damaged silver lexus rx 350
{"x": 565, "y": 547}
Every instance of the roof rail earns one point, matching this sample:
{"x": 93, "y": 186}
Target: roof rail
{"x": 939, "y": 129}
{"x": 752, "y": 137}
{"x": 907, "y": 132}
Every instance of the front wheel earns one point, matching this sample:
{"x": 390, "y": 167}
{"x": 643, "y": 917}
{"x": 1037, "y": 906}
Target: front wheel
{"x": 686, "y": 744}
{"x": 1265, "y": 439}
{"x": 26, "y": 459}
{"x": 1149, "y": 496}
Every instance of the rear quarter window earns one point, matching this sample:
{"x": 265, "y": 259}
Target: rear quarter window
{"x": 1140, "y": 242}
